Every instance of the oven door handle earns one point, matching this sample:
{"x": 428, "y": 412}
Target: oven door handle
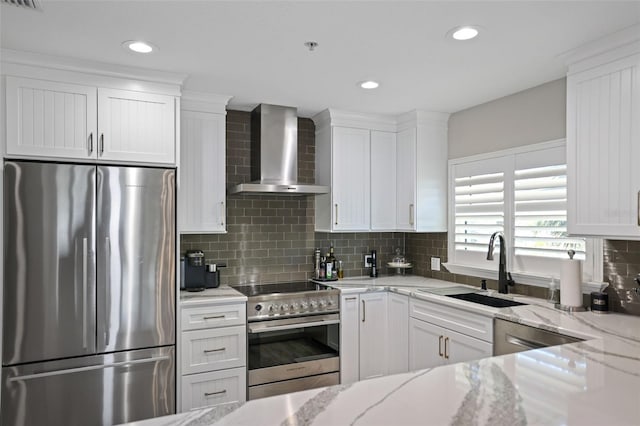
{"x": 264, "y": 327}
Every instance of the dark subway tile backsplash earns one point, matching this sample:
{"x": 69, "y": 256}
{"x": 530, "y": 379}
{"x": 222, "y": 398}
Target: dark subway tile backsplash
{"x": 272, "y": 238}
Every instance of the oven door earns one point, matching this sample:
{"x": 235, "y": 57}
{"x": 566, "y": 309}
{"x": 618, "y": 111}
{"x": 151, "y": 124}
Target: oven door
{"x": 293, "y": 354}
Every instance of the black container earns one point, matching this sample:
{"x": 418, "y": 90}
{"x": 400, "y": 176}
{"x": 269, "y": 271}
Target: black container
{"x": 374, "y": 264}
{"x": 212, "y": 275}
{"x": 599, "y": 302}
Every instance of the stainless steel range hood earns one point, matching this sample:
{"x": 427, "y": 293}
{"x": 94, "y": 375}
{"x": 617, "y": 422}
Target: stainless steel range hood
{"x": 274, "y": 154}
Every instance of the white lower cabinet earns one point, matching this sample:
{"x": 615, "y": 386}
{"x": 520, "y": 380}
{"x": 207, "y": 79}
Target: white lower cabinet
{"x": 363, "y": 336}
{"x": 217, "y": 387}
{"x": 398, "y": 336}
{"x": 431, "y": 345}
{"x": 213, "y": 354}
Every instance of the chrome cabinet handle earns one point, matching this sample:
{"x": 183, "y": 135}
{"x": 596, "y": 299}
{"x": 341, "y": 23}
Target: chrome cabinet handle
{"x": 90, "y": 143}
{"x": 101, "y": 144}
{"x": 336, "y": 221}
{"x": 440, "y": 345}
{"x": 411, "y": 214}
{"x": 446, "y": 348}
{"x": 363, "y": 311}
{"x": 222, "y": 213}
{"x": 351, "y": 298}
{"x": 84, "y": 292}
{"x": 638, "y": 208}
{"x": 213, "y": 317}
{"x": 215, "y": 393}
{"x": 207, "y": 351}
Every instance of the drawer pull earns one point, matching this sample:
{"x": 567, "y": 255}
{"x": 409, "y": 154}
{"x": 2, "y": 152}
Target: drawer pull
{"x": 440, "y": 346}
{"x": 207, "y": 351}
{"x": 214, "y": 317}
{"x": 446, "y": 348}
{"x": 222, "y": 392}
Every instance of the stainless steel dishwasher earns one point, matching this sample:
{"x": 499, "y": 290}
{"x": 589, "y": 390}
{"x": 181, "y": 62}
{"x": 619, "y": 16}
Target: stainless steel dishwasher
{"x": 510, "y": 337}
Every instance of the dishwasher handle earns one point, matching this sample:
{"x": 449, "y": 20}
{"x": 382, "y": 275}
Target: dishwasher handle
{"x": 518, "y": 341}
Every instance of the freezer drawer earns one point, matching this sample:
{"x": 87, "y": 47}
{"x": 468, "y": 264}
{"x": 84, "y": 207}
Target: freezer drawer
{"x": 95, "y": 390}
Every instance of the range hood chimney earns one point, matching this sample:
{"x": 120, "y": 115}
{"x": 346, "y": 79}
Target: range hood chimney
{"x": 274, "y": 154}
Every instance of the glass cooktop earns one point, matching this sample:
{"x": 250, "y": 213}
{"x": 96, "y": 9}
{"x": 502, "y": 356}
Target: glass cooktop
{"x": 293, "y": 287}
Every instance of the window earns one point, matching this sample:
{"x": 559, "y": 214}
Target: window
{"x": 522, "y": 193}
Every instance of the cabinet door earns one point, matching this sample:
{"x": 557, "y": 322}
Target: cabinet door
{"x": 426, "y": 345}
{"x": 350, "y": 180}
{"x": 373, "y": 335}
{"x": 202, "y": 172}
{"x": 603, "y": 145}
{"x": 398, "y": 342}
{"x": 135, "y": 126}
{"x": 383, "y": 181}
{"x": 460, "y": 348}
{"x": 406, "y": 181}
{"x": 49, "y": 119}
{"x": 349, "y": 337}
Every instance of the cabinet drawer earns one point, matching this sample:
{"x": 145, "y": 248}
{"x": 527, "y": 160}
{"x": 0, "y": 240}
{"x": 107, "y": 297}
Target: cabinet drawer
{"x": 215, "y": 349}
{"x": 218, "y": 387}
{"x": 464, "y": 322}
{"x": 213, "y": 316}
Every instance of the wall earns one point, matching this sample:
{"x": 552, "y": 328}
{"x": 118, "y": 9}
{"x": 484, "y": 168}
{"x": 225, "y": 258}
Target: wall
{"x": 531, "y": 116}
{"x": 271, "y": 238}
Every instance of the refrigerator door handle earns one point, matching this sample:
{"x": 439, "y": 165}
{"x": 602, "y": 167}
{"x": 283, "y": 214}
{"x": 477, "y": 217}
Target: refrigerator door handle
{"x": 89, "y": 368}
{"x": 107, "y": 296}
{"x": 85, "y": 249}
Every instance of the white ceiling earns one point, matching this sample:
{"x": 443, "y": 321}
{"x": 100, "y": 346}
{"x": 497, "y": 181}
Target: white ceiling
{"x": 254, "y": 50}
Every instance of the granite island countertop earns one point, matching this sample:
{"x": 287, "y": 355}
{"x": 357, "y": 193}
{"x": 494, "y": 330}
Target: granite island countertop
{"x": 596, "y": 381}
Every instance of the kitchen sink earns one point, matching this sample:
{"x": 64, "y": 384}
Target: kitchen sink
{"x": 482, "y": 299}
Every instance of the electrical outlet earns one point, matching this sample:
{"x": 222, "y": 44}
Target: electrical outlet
{"x": 435, "y": 263}
{"x": 367, "y": 261}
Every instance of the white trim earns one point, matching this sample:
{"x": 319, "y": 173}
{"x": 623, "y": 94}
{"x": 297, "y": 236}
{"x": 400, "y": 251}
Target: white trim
{"x": 204, "y": 102}
{"x": 91, "y": 67}
{"x": 556, "y": 143}
{"x": 383, "y": 123}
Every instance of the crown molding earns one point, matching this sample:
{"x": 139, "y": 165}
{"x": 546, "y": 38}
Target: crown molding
{"x": 8, "y": 56}
{"x": 193, "y": 100}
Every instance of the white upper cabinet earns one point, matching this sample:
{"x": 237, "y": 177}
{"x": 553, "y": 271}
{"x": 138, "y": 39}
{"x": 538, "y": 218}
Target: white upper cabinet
{"x": 603, "y": 141}
{"x": 202, "y": 193}
{"x": 383, "y": 181}
{"x": 405, "y": 188}
{"x": 135, "y": 126}
{"x": 421, "y": 194}
{"x": 55, "y": 112}
{"x": 51, "y": 119}
{"x": 385, "y": 173}
{"x": 350, "y": 184}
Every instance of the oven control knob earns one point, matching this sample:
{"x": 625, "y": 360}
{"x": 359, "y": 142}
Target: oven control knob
{"x": 330, "y": 302}
{"x": 273, "y": 308}
{"x": 295, "y": 306}
{"x": 284, "y": 307}
{"x": 305, "y": 306}
{"x": 323, "y": 303}
{"x": 314, "y": 304}
{"x": 258, "y": 307}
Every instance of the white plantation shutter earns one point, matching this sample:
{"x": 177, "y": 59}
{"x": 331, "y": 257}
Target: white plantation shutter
{"x": 523, "y": 193}
{"x": 479, "y": 208}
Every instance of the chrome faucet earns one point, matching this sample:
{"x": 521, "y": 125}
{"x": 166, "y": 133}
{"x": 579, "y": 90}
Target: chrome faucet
{"x": 504, "y": 277}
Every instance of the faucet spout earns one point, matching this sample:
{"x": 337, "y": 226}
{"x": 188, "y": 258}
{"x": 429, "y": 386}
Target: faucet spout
{"x": 504, "y": 277}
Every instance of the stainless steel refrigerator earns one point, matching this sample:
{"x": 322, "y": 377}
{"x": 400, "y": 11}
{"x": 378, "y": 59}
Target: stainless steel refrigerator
{"x": 89, "y": 294}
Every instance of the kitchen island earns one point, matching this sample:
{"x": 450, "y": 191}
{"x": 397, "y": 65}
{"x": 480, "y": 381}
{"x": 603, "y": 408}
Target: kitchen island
{"x": 596, "y": 381}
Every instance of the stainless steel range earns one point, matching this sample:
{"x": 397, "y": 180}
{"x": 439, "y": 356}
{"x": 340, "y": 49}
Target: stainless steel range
{"x": 293, "y": 337}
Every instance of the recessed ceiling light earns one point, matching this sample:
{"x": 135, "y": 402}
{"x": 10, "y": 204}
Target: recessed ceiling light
{"x": 464, "y": 33}
{"x": 369, "y": 84}
{"x": 139, "y": 46}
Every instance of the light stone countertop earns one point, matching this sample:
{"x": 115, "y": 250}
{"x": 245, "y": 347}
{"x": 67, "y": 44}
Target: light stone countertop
{"x": 594, "y": 382}
{"x": 222, "y": 294}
